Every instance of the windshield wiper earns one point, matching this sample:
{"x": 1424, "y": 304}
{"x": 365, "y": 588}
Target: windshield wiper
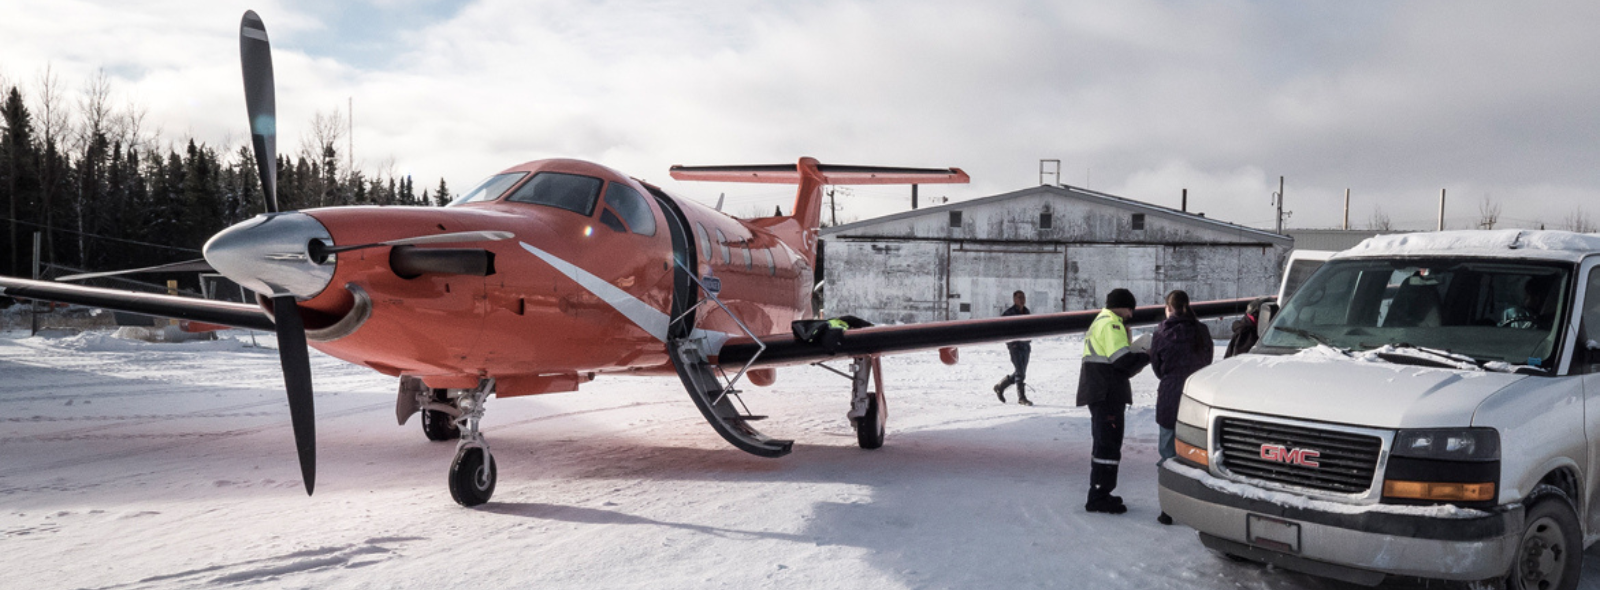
{"x": 1313, "y": 336}
{"x": 1438, "y": 352}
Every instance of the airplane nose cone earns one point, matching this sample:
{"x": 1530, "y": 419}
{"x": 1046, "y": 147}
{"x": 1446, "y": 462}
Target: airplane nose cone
{"x": 270, "y": 254}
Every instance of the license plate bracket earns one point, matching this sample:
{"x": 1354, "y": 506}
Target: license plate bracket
{"x": 1272, "y": 533}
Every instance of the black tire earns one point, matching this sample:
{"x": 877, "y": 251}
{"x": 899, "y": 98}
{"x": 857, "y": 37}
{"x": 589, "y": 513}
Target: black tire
{"x": 871, "y": 426}
{"x": 439, "y": 426}
{"x": 472, "y": 476}
{"x": 1550, "y": 554}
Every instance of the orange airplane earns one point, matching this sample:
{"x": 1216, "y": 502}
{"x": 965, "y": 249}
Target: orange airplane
{"x": 559, "y": 271}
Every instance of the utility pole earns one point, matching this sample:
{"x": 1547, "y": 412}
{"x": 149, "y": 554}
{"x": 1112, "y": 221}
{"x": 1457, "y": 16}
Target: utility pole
{"x": 1185, "y": 203}
{"x": 33, "y": 304}
{"x": 913, "y": 197}
{"x": 1277, "y": 202}
{"x": 1346, "y": 209}
{"x": 350, "y": 131}
{"x": 1441, "y": 209}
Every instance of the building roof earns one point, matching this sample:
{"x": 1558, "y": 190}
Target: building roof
{"x": 1069, "y": 192}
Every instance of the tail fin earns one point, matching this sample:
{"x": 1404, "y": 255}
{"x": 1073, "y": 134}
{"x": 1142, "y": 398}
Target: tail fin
{"x": 811, "y": 176}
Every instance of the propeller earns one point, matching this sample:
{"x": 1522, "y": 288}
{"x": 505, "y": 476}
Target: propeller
{"x": 199, "y": 265}
{"x": 255, "y": 57}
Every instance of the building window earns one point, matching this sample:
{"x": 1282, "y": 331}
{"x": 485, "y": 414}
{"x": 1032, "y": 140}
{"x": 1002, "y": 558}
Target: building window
{"x": 955, "y": 219}
{"x": 1138, "y": 221}
{"x": 1045, "y": 221}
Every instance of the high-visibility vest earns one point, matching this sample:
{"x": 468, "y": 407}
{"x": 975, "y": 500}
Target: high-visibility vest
{"x": 1107, "y": 339}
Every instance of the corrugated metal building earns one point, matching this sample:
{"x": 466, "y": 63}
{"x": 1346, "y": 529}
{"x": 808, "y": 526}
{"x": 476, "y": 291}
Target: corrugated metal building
{"x": 1064, "y": 246}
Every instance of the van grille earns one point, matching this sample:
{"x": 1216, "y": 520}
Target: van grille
{"x": 1346, "y": 461}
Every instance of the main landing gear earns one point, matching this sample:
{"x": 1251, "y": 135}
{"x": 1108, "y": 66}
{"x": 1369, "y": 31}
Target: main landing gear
{"x": 869, "y": 409}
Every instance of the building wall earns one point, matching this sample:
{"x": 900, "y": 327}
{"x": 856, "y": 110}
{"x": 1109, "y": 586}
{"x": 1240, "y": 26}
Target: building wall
{"x": 920, "y": 267}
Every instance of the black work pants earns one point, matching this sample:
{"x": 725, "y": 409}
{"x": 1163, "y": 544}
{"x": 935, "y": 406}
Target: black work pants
{"x": 1107, "y": 419}
{"x": 1019, "y": 361}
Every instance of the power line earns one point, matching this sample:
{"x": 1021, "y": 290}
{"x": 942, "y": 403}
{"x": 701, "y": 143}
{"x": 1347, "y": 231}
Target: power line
{"x": 86, "y": 234}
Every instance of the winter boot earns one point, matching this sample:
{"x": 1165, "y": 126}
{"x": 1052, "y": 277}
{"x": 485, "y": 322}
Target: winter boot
{"x": 1105, "y": 505}
{"x": 1103, "y": 479}
{"x": 1164, "y": 518}
{"x": 1000, "y": 388}
{"x": 1022, "y": 394}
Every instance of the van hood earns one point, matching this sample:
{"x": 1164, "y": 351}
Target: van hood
{"x": 1320, "y": 384}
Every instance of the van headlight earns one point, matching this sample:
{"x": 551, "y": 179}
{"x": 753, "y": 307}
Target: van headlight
{"x": 1448, "y": 444}
{"x": 1453, "y": 465}
{"x": 1193, "y": 440}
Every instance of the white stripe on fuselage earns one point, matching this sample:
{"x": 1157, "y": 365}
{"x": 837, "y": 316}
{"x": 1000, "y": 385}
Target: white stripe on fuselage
{"x": 650, "y": 319}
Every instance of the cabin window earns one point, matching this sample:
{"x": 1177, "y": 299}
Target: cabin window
{"x": 722, "y": 241}
{"x": 749, "y": 261}
{"x": 1138, "y": 221}
{"x": 572, "y": 192}
{"x": 772, "y": 264}
{"x": 705, "y": 242}
{"x": 1045, "y": 221}
{"x": 490, "y": 189}
{"x": 630, "y": 206}
{"x": 955, "y": 219}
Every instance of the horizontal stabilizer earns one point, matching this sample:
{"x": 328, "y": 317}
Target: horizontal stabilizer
{"x": 832, "y": 174}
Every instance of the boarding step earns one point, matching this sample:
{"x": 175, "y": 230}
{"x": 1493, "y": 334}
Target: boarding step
{"x": 718, "y": 406}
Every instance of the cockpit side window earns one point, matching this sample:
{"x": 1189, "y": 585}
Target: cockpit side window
{"x": 490, "y": 189}
{"x": 631, "y": 207}
{"x": 564, "y": 191}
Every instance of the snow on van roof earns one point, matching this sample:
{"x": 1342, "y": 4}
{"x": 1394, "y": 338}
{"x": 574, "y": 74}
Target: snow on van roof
{"x": 1508, "y": 243}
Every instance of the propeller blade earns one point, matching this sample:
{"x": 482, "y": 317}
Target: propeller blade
{"x": 199, "y": 265}
{"x": 296, "y": 363}
{"x": 255, "y": 55}
{"x": 451, "y": 238}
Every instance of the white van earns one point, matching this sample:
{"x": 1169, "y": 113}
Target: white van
{"x": 1424, "y": 405}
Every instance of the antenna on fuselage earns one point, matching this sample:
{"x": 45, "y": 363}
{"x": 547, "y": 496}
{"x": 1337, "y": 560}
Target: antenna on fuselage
{"x": 720, "y": 196}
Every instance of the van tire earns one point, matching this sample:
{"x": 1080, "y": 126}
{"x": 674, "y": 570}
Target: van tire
{"x": 1549, "y": 554}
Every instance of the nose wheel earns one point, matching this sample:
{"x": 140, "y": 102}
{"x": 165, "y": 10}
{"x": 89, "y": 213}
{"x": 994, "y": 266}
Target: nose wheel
{"x": 472, "y": 476}
{"x": 472, "y": 473}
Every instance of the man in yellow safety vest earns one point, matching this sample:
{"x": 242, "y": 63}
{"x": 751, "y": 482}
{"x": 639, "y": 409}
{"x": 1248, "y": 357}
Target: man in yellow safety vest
{"x": 1108, "y": 363}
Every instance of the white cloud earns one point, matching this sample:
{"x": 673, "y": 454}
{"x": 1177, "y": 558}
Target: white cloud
{"x": 1391, "y": 100}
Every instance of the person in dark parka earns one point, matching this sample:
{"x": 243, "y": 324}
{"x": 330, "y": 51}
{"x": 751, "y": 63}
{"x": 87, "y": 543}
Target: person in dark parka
{"x": 1181, "y": 345}
{"x": 1020, "y": 350}
{"x": 1244, "y": 331}
{"x": 1109, "y": 362}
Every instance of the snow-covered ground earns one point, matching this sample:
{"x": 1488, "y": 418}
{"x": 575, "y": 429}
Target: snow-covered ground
{"x": 135, "y": 465}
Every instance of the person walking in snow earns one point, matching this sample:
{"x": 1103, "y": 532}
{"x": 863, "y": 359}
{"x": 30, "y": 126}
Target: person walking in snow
{"x": 1109, "y": 362}
{"x": 1181, "y": 345}
{"x": 1020, "y": 350}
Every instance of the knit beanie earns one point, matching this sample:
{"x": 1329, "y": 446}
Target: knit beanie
{"x": 1120, "y": 298}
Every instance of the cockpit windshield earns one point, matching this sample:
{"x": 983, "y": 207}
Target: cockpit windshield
{"x": 490, "y": 189}
{"x": 573, "y": 192}
{"x": 1492, "y": 311}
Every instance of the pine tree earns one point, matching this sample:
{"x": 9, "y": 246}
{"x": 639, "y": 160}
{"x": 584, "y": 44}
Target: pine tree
{"x": 442, "y": 196}
{"x": 19, "y": 176}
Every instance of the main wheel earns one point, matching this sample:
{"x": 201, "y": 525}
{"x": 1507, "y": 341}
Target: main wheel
{"x": 1550, "y": 554}
{"x": 472, "y": 476}
{"x": 870, "y": 427}
{"x": 440, "y": 426}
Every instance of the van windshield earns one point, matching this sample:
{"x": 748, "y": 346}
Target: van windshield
{"x": 1492, "y": 311}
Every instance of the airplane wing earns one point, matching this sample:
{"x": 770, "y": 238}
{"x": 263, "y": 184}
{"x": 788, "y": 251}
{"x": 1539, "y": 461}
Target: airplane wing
{"x": 237, "y": 315}
{"x": 785, "y": 349}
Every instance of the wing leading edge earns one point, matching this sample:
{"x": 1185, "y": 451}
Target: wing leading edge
{"x": 783, "y": 349}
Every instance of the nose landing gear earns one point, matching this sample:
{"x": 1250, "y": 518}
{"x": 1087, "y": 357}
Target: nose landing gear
{"x": 472, "y": 473}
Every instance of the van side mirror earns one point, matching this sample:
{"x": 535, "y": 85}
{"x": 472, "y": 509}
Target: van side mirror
{"x": 1264, "y": 317}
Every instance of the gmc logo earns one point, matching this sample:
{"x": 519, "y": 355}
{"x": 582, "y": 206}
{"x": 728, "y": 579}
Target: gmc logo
{"x": 1281, "y": 454}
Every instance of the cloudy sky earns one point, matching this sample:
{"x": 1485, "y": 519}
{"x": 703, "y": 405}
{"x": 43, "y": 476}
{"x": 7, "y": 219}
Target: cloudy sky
{"x": 1139, "y": 98}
